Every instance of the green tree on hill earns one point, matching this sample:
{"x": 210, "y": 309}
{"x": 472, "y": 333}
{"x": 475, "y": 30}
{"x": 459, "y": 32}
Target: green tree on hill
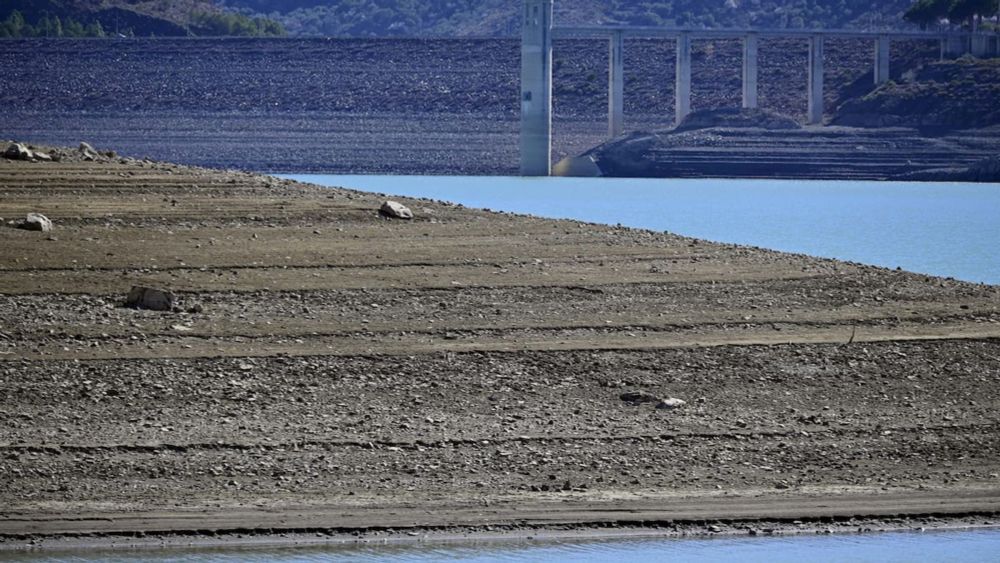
{"x": 95, "y": 29}
{"x": 74, "y": 28}
{"x": 930, "y": 12}
{"x": 926, "y": 13}
{"x": 13, "y": 26}
{"x": 972, "y": 11}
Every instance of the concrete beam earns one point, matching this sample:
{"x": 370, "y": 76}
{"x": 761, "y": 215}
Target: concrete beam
{"x": 682, "y": 88}
{"x": 616, "y": 85}
{"x": 815, "y": 110}
{"x": 750, "y": 89}
{"x": 882, "y": 46}
{"x": 536, "y": 88}
{"x": 602, "y": 31}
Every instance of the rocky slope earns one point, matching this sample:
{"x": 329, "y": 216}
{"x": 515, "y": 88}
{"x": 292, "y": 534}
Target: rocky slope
{"x": 938, "y": 96}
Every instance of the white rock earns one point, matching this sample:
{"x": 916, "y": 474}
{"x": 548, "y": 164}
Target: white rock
{"x": 395, "y": 209}
{"x": 18, "y": 151}
{"x": 671, "y": 403}
{"x": 88, "y": 151}
{"x": 36, "y": 222}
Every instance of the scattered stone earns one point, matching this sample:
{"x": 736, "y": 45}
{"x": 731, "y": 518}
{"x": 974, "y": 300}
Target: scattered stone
{"x": 36, "y": 222}
{"x": 196, "y": 308}
{"x": 670, "y": 404}
{"x": 396, "y": 210}
{"x": 638, "y": 397}
{"x": 88, "y": 151}
{"x": 148, "y": 298}
{"x": 18, "y": 151}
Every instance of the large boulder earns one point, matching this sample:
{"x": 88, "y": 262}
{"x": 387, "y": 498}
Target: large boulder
{"x": 18, "y": 151}
{"x": 395, "y": 210}
{"x": 149, "y": 298}
{"x": 36, "y": 222}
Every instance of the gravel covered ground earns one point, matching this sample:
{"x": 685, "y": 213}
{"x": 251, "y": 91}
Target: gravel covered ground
{"x": 373, "y": 106}
{"x": 328, "y": 369}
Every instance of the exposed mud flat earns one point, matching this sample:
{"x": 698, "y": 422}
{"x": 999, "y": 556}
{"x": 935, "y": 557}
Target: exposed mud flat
{"x": 330, "y": 369}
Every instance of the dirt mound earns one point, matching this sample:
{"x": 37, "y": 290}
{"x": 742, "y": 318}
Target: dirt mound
{"x": 740, "y": 118}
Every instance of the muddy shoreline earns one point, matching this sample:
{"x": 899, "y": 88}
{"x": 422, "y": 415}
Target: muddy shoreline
{"x": 491, "y": 535}
{"x": 329, "y": 369}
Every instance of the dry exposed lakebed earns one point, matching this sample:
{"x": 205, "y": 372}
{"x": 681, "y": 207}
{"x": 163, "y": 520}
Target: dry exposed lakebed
{"x": 330, "y": 369}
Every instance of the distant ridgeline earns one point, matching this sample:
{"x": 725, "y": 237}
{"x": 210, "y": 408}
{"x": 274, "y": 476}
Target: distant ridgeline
{"x": 364, "y": 18}
{"x": 460, "y": 18}
{"x": 87, "y": 18}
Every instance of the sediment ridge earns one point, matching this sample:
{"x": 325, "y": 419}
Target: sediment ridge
{"x": 326, "y": 368}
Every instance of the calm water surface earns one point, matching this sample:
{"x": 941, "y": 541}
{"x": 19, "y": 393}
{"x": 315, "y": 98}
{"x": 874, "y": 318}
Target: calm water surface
{"x": 950, "y": 230}
{"x": 883, "y": 548}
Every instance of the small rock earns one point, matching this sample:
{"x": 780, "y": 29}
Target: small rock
{"x": 196, "y": 308}
{"x": 36, "y": 222}
{"x": 18, "y": 151}
{"x": 148, "y": 298}
{"x": 44, "y": 157}
{"x": 396, "y": 210}
{"x": 638, "y": 397}
{"x": 670, "y": 404}
{"x": 88, "y": 151}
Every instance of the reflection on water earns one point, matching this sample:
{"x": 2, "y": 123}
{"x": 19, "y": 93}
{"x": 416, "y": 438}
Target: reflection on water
{"x": 942, "y": 229}
{"x": 881, "y": 548}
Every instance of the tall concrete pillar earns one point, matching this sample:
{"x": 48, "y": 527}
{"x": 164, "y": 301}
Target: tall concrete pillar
{"x": 952, "y": 46}
{"x": 536, "y": 88}
{"x": 750, "y": 71}
{"x": 882, "y": 45}
{"x": 815, "y": 111}
{"x": 616, "y": 85}
{"x": 682, "y": 89}
{"x": 980, "y": 45}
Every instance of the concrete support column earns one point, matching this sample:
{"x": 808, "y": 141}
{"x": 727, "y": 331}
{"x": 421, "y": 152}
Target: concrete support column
{"x": 952, "y": 46}
{"x": 882, "y": 45}
{"x": 616, "y": 85}
{"x": 536, "y": 88}
{"x": 815, "y": 111}
{"x": 980, "y": 46}
{"x": 750, "y": 71}
{"x": 682, "y": 88}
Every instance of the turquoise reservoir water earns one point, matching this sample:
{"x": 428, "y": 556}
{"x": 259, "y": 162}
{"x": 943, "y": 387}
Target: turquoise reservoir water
{"x": 950, "y": 230}
{"x": 982, "y": 546}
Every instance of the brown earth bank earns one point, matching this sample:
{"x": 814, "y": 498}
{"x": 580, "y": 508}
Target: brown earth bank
{"x": 329, "y": 369}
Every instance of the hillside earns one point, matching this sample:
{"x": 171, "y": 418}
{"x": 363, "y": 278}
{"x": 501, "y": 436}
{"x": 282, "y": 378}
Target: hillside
{"x": 363, "y": 18}
{"x": 938, "y": 95}
{"x": 80, "y": 18}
